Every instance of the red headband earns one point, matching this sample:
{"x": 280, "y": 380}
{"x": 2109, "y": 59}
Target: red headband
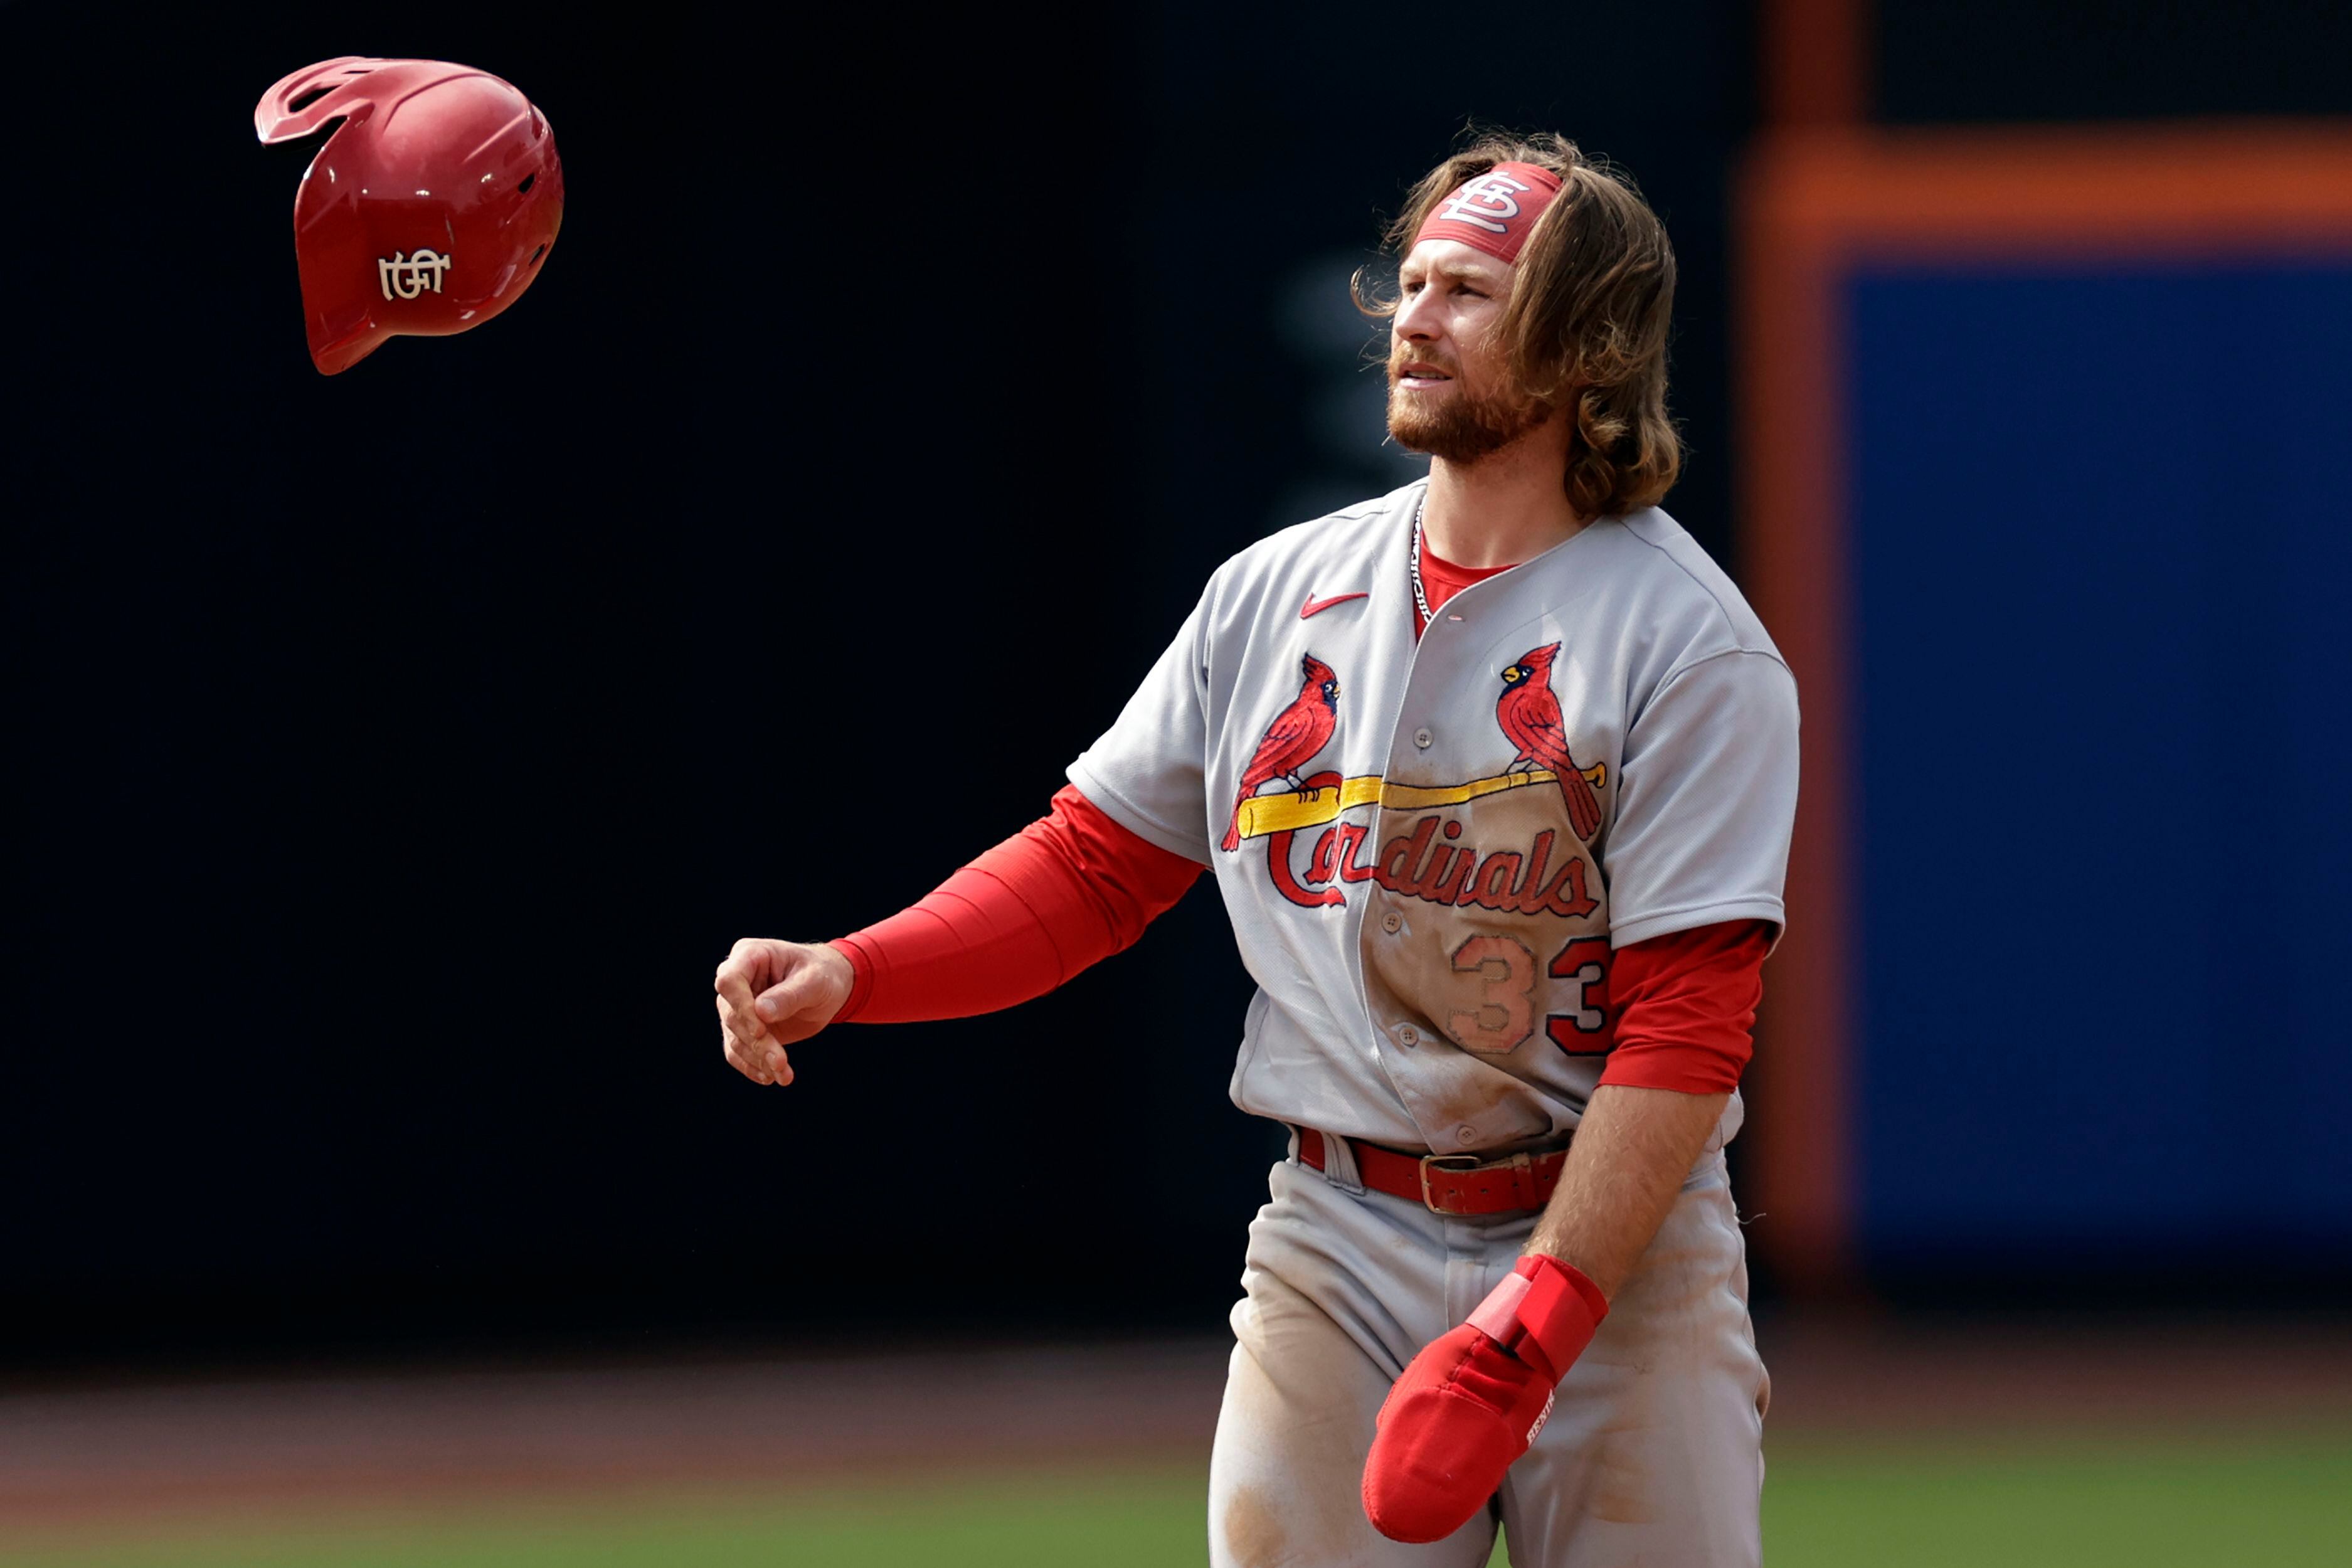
{"x": 1496, "y": 211}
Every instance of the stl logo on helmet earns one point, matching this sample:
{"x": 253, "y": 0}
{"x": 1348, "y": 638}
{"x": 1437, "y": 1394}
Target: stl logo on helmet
{"x": 404, "y": 277}
{"x": 1486, "y": 202}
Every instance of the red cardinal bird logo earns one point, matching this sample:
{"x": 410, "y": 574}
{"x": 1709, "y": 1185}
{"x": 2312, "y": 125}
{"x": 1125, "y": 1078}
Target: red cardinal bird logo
{"x": 1298, "y": 732}
{"x": 1529, "y": 715}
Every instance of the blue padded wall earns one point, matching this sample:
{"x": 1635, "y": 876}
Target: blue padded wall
{"x": 2102, "y": 525}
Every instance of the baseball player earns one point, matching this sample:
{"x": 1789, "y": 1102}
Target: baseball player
{"x": 1496, "y": 775}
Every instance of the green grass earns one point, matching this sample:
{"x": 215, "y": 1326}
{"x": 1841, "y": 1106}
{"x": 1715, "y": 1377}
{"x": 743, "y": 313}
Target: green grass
{"x": 1132, "y": 1518}
{"x": 2282, "y": 1501}
{"x": 2089, "y": 1501}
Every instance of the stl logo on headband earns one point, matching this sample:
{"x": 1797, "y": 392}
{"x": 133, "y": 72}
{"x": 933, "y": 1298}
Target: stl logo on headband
{"x": 1486, "y": 202}
{"x": 1496, "y": 211}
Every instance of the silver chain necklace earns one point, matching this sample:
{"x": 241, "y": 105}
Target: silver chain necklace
{"x": 1419, "y": 594}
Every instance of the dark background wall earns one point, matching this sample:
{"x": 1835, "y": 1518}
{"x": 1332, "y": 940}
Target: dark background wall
{"x": 398, "y": 753}
{"x": 1944, "y": 61}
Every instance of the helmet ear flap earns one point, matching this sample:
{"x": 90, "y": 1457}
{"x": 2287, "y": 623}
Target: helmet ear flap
{"x": 333, "y": 251}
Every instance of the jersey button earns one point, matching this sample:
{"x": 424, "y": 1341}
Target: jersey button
{"x": 1392, "y": 923}
{"x": 1408, "y": 1035}
{"x": 1423, "y": 738}
{"x": 1465, "y": 1136}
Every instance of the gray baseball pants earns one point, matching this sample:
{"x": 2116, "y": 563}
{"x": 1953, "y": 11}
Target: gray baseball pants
{"x": 1653, "y": 1451}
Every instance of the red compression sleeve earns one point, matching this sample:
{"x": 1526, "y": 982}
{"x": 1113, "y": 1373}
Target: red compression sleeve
{"x": 1687, "y": 1007}
{"x": 1066, "y": 891}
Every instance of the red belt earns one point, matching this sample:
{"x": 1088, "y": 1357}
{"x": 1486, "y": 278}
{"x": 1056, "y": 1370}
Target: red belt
{"x": 1450, "y": 1183}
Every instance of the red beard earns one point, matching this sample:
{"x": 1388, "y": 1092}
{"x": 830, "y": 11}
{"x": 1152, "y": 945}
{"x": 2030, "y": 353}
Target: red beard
{"x": 1460, "y": 426}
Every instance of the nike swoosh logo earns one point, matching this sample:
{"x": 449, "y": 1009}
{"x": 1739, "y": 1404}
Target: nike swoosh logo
{"x": 1315, "y": 607}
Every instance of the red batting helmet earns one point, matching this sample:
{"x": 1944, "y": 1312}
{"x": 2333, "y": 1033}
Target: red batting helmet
{"x": 426, "y": 212}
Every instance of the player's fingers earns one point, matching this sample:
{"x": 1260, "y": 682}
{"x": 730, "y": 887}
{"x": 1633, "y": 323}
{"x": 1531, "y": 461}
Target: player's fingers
{"x": 737, "y": 984}
{"x": 756, "y": 963}
{"x": 799, "y": 1004}
{"x": 761, "y": 1060}
{"x": 735, "y": 1058}
{"x": 751, "y": 1042}
{"x": 791, "y": 992}
{"x": 739, "y": 1021}
{"x": 774, "y": 1066}
{"x": 753, "y": 1064}
{"x": 750, "y": 949}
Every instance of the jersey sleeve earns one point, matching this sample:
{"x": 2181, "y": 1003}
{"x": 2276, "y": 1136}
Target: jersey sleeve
{"x": 1146, "y": 771}
{"x": 1707, "y": 794}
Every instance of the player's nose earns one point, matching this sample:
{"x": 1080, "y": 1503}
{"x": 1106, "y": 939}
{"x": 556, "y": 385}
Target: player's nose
{"x": 1416, "y": 317}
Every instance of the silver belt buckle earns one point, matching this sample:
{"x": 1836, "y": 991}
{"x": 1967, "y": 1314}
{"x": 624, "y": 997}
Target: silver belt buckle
{"x": 1466, "y": 1162}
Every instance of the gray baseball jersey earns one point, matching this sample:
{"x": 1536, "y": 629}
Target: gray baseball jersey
{"x": 1430, "y": 850}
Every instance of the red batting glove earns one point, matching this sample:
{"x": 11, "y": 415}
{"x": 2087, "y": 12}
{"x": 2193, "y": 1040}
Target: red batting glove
{"x": 1473, "y": 1400}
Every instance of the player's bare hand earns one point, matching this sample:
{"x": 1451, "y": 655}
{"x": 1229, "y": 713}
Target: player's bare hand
{"x": 775, "y": 994}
